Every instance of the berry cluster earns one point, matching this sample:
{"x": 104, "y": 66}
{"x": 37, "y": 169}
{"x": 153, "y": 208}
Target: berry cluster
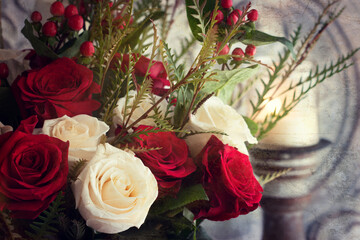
{"x": 227, "y": 17}
{"x": 64, "y": 25}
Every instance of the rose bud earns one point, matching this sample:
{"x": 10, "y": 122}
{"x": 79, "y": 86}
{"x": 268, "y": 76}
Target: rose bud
{"x": 253, "y": 15}
{"x": 250, "y": 50}
{"x": 57, "y": 9}
{"x": 36, "y": 17}
{"x": 240, "y": 54}
{"x": 225, "y": 50}
{"x": 49, "y": 29}
{"x": 71, "y": 10}
{"x": 226, "y": 3}
{"x": 76, "y": 22}
{"x": 87, "y": 49}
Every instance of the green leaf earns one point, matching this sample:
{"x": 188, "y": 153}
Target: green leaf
{"x": 193, "y": 17}
{"x": 227, "y": 80}
{"x": 251, "y": 125}
{"x": 72, "y": 48}
{"x": 259, "y": 38}
{"x": 184, "y": 197}
{"x": 39, "y": 46}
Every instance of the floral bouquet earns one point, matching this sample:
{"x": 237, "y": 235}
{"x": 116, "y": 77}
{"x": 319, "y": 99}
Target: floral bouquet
{"x": 118, "y": 137}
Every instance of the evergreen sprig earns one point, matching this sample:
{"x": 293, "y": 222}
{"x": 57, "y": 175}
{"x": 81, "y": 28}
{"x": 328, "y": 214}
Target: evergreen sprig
{"x": 48, "y": 220}
{"x": 76, "y": 169}
{"x": 264, "y": 179}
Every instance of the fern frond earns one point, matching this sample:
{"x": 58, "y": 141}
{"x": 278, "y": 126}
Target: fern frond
{"x": 264, "y": 179}
{"x": 47, "y": 220}
{"x": 191, "y": 133}
{"x": 76, "y": 169}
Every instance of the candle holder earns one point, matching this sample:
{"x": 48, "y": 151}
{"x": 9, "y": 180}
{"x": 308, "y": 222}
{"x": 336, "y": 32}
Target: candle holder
{"x": 285, "y": 198}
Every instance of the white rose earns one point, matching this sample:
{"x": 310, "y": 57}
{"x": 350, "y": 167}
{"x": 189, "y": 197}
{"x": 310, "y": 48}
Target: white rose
{"x": 82, "y": 131}
{"x": 114, "y": 191}
{"x": 214, "y": 115}
{"x": 145, "y": 105}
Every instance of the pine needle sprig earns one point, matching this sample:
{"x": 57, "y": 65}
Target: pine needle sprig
{"x": 174, "y": 73}
{"x": 192, "y": 133}
{"x": 264, "y": 179}
{"x": 200, "y": 15}
{"x": 72, "y": 229}
{"x": 121, "y": 140}
{"x": 47, "y": 221}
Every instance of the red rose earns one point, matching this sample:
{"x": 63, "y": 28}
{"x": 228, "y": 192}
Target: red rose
{"x": 157, "y": 72}
{"x": 60, "y": 88}
{"x": 33, "y": 169}
{"x": 170, "y": 164}
{"x": 229, "y": 182}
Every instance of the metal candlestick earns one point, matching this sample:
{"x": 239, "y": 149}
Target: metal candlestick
{"x": 285, "y": 198}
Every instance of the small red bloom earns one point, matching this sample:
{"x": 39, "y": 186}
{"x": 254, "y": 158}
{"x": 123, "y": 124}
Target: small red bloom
{"x": 226, "y": 3}
{"x": 71, "y": 10}
{"x": 170, "y": 163}
{"x": 250, "y": 50}
{"x": 57, "y": 9}
{"x": 233, "y": 17}
{"x": 49, "y": 29}
{"x": 253, "y": 15}
{"x": 87, "y": 49}
{"x": 219, "y": 17}
{"x": 4, "y": 70}
{"x": 240, "y": 53}
{"x": 36, "y": 17}
{"x": 76, "y": 22}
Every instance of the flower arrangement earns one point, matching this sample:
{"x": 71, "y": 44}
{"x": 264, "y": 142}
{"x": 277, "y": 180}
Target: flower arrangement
{"x": 112, "y": 132}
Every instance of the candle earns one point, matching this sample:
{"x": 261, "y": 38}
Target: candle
{"x": 299, "y": 128}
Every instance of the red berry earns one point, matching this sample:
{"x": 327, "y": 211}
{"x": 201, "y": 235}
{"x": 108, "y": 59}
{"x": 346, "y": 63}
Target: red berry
{"x": 4, "y": 70}
{"x": 253, "y": 15}
{"x": 232, "y": 18}
{"x": 225, "y": 49}
{"x": 219, "y": 17}
{"x": 240, "y": 53}
{"x": 250, "y": 50}
{"x": 226, "y": 3}
{"x": 111, "y": 4}
{"x": 49, "y": 29}
{"x": 57, "y": 9}
{"x": 76, "y": 22}
{"x": 71, "y": 10}
{"x": 36, "y": 17}
{"x": 87, "y": 49}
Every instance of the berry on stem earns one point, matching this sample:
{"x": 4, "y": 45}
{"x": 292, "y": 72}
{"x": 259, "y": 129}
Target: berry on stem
{"x": 71, "y": 10}
{"x": 76, "y": 22}
{"x": 223, "y": 51}
{"x": 240, "y": 54}
{"x": 250, "y": 50}
{"x": 219, "y": 17}
{"x": 4, "y": 70}
{"x": 226, "y": 3}
{"x": 36, "y": 17}
{"x": 87, "y": 49}
{"x": 49, "y": 29}
{"x": 253, "y": 15}
{"x": 233, "y": 17}
{"x": 57, "y": 9}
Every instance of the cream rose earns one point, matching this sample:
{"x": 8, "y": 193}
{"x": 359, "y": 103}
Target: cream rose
{"x": 214, "y": 115}
{"x": 114, "y": 191}
{"x": 82, "y": 131}
{"x": 145, "y": 105}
